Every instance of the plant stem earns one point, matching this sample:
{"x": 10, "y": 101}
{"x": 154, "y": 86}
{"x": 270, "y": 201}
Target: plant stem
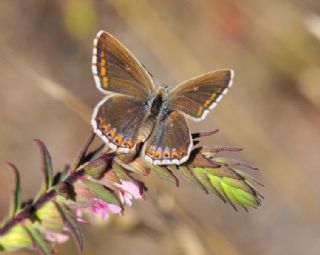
{"x": 28, "y": 211}
{"x": 75, "y": 173}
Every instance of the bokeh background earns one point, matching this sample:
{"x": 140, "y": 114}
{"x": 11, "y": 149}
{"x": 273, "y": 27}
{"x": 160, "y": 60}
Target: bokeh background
{"x": 273, "y": 111}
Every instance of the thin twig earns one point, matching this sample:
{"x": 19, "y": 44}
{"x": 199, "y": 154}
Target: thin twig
{"x": 74, "y": 175}
{"x": 27, "y": 212}
{"x": 82, "y": 152}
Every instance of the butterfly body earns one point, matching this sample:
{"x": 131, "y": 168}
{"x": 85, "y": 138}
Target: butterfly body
{"x": 135, "y": 112}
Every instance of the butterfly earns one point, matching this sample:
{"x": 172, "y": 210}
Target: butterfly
{"x": 135, "y": 112}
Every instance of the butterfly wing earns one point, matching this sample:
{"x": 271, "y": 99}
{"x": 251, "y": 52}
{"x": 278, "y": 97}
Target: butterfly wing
{"x": 115, "y": 69}
{"x": 197, "y": 96}
{"x": 122, "y": 121}
{"x": 170, "y": 141}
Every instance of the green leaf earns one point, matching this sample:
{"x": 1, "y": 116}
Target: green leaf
{"x": 66, "y": 190}
{"x": 102, "y": 192}
{"x": 202, "y": 175}
{"x": 216, "y": 183}
{"x": 189, "y": 176}
{"x": 119, "y": 171}
{"x": 46, "y": 166}
{"x": 163, "y": 173}
{"x": 136, "y": 166}
{"x": 16, "y": 200}
{"x": 38, "y": 241}
{"x": 234, "y": 162}
{"x": 49, "y": 217}
{"x": 15, "y": 239}
{"x": 236, "y": 191}
{"x": 82, "y": 154}
{"x": 71, "y": 222}
{"x": 96, "y": 168}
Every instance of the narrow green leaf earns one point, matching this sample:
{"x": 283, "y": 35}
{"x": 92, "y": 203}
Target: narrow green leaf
{"x": 218, "y": 184}
{"x": 247, "y": 177}
{"x": 96, "y": 168}
{"x": 38, "y": 241}
{"x": 202, "y": 175}
{"x": 236, "y": 191}
{"x": 215, "y": 181}
{"x": 82, "y": 154}
{"x": 16, "y": 199}
{"x": 16, "y": 238}
{"x": 234, "y": 162}
{"x": 71, "y": 222}
{"x": 102, "y": 192}
{"x": 138, "y": 166}
{"x": 163, "y": 173}
{"x": 189, "y": 176}
{"x": 46, "y": 165}
{"x": 49, "y": 217}
{"x": 119, "y": 171}
{"x": 237, "y": 184}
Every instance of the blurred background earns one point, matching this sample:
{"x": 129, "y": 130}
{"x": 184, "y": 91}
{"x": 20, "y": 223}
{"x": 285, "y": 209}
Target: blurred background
{"x": 273, "y": 111}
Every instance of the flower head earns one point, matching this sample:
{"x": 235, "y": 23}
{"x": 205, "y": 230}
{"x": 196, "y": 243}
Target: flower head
{"x": 128, "y": 190}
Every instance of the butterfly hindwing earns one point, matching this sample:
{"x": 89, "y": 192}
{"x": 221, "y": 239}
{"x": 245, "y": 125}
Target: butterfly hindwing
{"x": 115, "y": 69}
{"x": 122, "y": 122}
{"x": 197, "y": 96}
{"x": 170, "y": 141}
{"x": 134, "y": 112}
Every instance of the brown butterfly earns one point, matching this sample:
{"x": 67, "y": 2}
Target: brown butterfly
{"x": 135, "y": 112}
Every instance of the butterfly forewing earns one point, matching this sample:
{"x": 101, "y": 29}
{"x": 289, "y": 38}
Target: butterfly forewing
{"x": 135, "y": 113}
{"x": 197, "y": 96}
{"x": 115, "y": 69}
{"x": 122, "y": 122}
{"x": 170, "y": 141}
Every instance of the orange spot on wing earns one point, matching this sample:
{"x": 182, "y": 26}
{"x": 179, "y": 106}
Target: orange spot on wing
{"x": 105, "y": 127}
{"x": 207, "y": 103}
{"x": 174, "y": 154}
{"x": 105, "y": 81}
{"x": 173, "y": 115}
{"x": 118, "y": 139}
{"x": 127, "y": 143}
{"x": 158, "y": 154}
{"x": 150, "y": 151}
{"x": 183, "y": 153}
{"x": 166, "y": 154}
{"x": 200, "y": 110}
{"x": 111, "y": 133}
{"x": 103, "y": 71}
{"x": 213, "y": 95}
{"x": 130, "y": 143}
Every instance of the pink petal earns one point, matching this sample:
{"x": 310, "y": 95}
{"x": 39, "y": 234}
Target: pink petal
{"x": 55, "y": 237}
{"x": 131, "y": 187}
{"x": 115, "y": 209}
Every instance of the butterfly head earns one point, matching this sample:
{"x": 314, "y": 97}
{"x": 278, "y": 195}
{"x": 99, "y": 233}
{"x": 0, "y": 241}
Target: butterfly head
{"x": 163, "y": 91}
